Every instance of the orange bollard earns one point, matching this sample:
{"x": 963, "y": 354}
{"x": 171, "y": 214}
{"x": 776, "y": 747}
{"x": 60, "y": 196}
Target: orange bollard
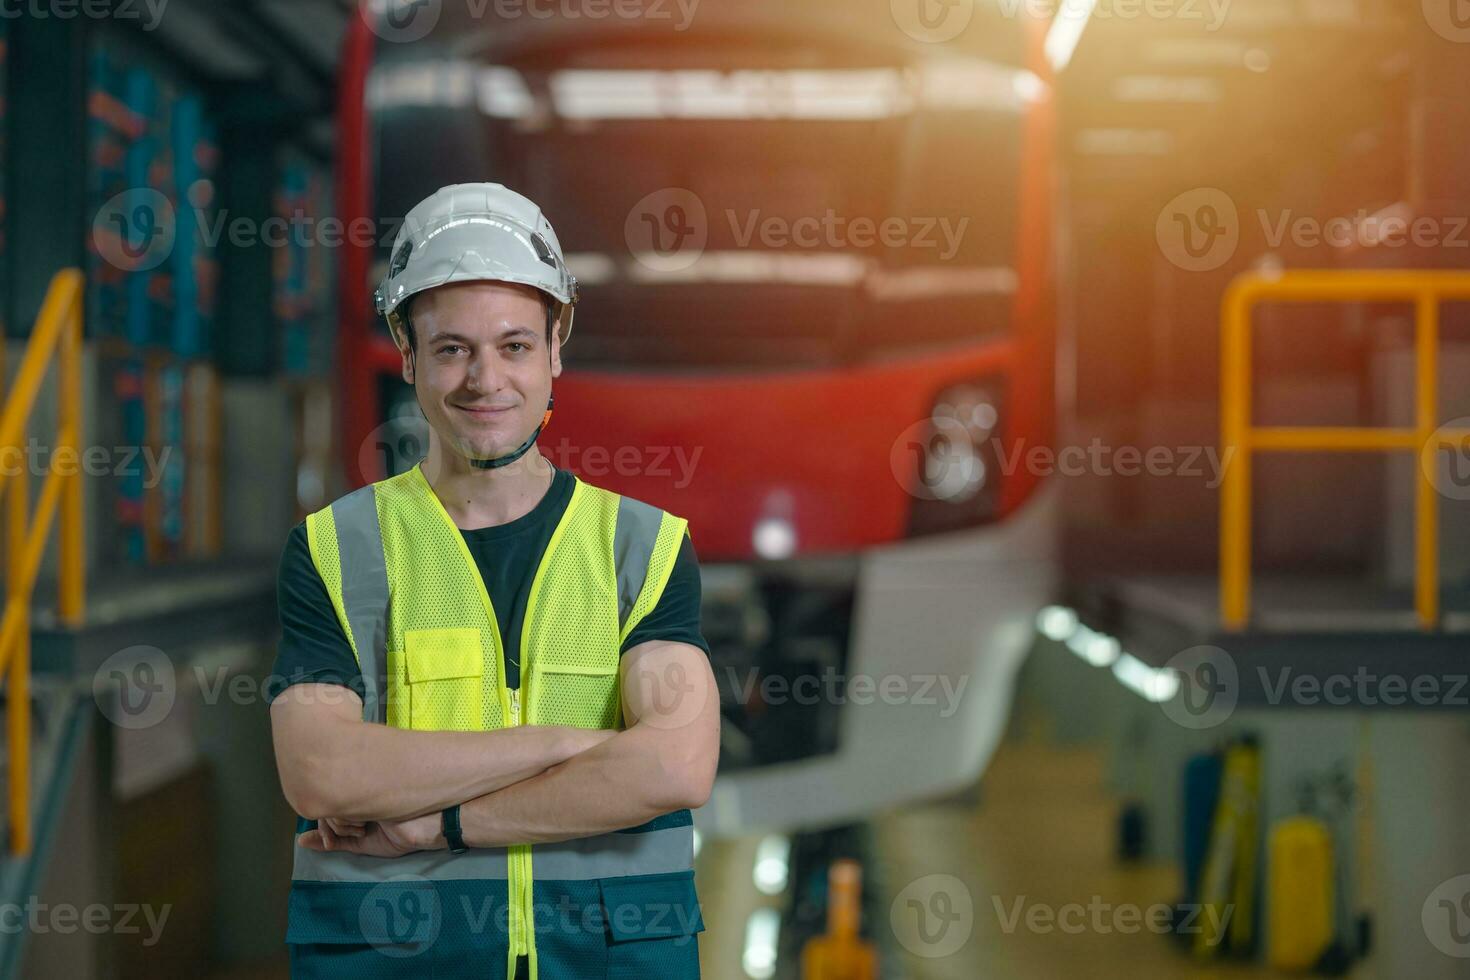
{"x": 841, "y": 954}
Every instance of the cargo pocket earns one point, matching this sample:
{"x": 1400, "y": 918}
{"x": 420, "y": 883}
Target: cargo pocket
{"x": 651, "y": 926}
{"x": 443, "y": 671}
{"x": 581, "y": 694}
{"x": 388, "y": 930}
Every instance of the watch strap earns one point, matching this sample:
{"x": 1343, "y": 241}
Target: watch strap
{"x": 453, "y": 833}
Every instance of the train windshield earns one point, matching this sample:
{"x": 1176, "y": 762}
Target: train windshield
{"x": 732, "y": 209}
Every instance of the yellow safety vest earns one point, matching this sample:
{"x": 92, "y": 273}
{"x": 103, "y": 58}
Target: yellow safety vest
{"x": 418, "y": 617}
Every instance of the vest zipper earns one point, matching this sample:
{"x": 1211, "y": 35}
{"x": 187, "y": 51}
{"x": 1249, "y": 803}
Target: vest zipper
{"x": 521, "y": 873}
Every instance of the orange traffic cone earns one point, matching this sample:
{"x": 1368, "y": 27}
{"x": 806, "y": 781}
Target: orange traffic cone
{"x": 841, "y": 954}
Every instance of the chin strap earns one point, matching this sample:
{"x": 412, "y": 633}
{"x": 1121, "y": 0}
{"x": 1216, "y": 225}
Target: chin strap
{"x": 511, "y": 457}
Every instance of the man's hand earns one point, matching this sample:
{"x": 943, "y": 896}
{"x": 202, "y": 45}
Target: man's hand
{"x": 381, "y": 838}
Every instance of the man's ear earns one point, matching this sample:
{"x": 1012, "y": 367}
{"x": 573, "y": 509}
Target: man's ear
{"x": 405, "y": 350}
{"x": 556, "y": 350}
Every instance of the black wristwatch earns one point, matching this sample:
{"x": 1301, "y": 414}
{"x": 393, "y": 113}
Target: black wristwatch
{"x": 449, "y": 823}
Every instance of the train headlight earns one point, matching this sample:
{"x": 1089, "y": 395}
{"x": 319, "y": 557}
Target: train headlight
{"x": 956, "y": 481}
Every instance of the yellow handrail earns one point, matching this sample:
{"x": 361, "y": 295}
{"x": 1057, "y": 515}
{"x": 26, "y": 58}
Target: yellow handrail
{"x": 58, "y": 328}
{"x": 1240, "y": 439}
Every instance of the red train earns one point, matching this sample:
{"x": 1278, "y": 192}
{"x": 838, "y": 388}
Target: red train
{"x": 816, "y": 321}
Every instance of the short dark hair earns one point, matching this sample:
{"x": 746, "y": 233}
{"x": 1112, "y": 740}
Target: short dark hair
{"x": 553, "y": 313}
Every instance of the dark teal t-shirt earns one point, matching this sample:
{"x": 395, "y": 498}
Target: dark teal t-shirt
{"x": 314, "y": 650}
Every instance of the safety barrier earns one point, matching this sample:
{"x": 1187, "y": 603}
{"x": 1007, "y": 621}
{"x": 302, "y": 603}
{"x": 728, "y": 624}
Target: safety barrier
{"x": 1240, "y": 439}
{"x": 57, "y": 334}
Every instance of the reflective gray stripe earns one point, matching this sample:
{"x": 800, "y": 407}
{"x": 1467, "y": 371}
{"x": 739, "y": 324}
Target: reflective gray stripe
{"x": 604, "y": 856}
{"x": 615, "y": 855}
{"x": 485, "y": 863}
{"x": 633, "y": 542}
{"x": 365, "y": 593}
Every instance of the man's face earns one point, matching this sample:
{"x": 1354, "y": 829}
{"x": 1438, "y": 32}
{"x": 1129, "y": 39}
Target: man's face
{"x": 480, "y": 367}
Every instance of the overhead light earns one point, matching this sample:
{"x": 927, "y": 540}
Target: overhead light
{"x": 1152, "y": 684}
{"x": 762, "y": 930}
{"x": 592, "y": 268}
{"x": 1166, "y": 88}
{"x": 755, "y": 266}
{"x": 503, "y": 93}
{"x": 1065, "y": 31}
{"x": 1028, "y": 85}
{"x": 772, "y": 864}
{"x": 425, "y": 83}
{"x": 1202, "y": 52}
{"x": 804, "y": 93}
{"x": 1124, "y": 142}
{"x": 774, "y": 538}
{"x": 1056, "y": 623}
{"x": 1098, "y": 649}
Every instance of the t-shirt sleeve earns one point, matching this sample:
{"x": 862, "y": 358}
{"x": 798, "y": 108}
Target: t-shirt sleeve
{"x": 676, "y": 617}
{"x": 314, "y": 649}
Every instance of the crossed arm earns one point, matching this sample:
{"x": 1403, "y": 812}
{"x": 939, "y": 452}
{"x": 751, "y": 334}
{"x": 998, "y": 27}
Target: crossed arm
{"x": 379, "y": 790}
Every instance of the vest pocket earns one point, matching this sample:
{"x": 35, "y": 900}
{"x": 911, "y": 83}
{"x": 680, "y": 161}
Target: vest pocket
{"x": 443, "y": 671}
{"x": 585, "y": 697}
{"x": 652, "y": 924}
{"x": 388, "y": 930}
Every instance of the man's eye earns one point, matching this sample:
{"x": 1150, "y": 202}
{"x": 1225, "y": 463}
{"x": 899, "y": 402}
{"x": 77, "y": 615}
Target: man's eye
{"x": 515, "y": 347}
{"x": 451, "y": 348}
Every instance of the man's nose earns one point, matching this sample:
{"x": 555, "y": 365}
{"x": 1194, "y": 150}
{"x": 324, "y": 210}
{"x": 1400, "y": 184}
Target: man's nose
{"x": 482, "y": 375}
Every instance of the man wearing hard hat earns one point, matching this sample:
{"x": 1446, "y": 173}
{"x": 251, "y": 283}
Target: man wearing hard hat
{"x": 496, "y": 708}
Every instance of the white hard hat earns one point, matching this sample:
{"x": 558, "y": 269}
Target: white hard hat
{"x": 474, "y": 233}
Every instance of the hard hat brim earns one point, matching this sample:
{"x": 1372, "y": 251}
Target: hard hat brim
{"x": 476, "y": 248}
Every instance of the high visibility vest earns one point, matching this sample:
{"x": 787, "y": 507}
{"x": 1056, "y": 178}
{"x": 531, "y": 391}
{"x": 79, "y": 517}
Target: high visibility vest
{"x": 415, "y": 610}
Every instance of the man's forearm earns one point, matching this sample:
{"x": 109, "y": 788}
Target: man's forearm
{"x": 345, "y": 768}
{"x": 628, "y": 780}
{"x": 391, "y": 774}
